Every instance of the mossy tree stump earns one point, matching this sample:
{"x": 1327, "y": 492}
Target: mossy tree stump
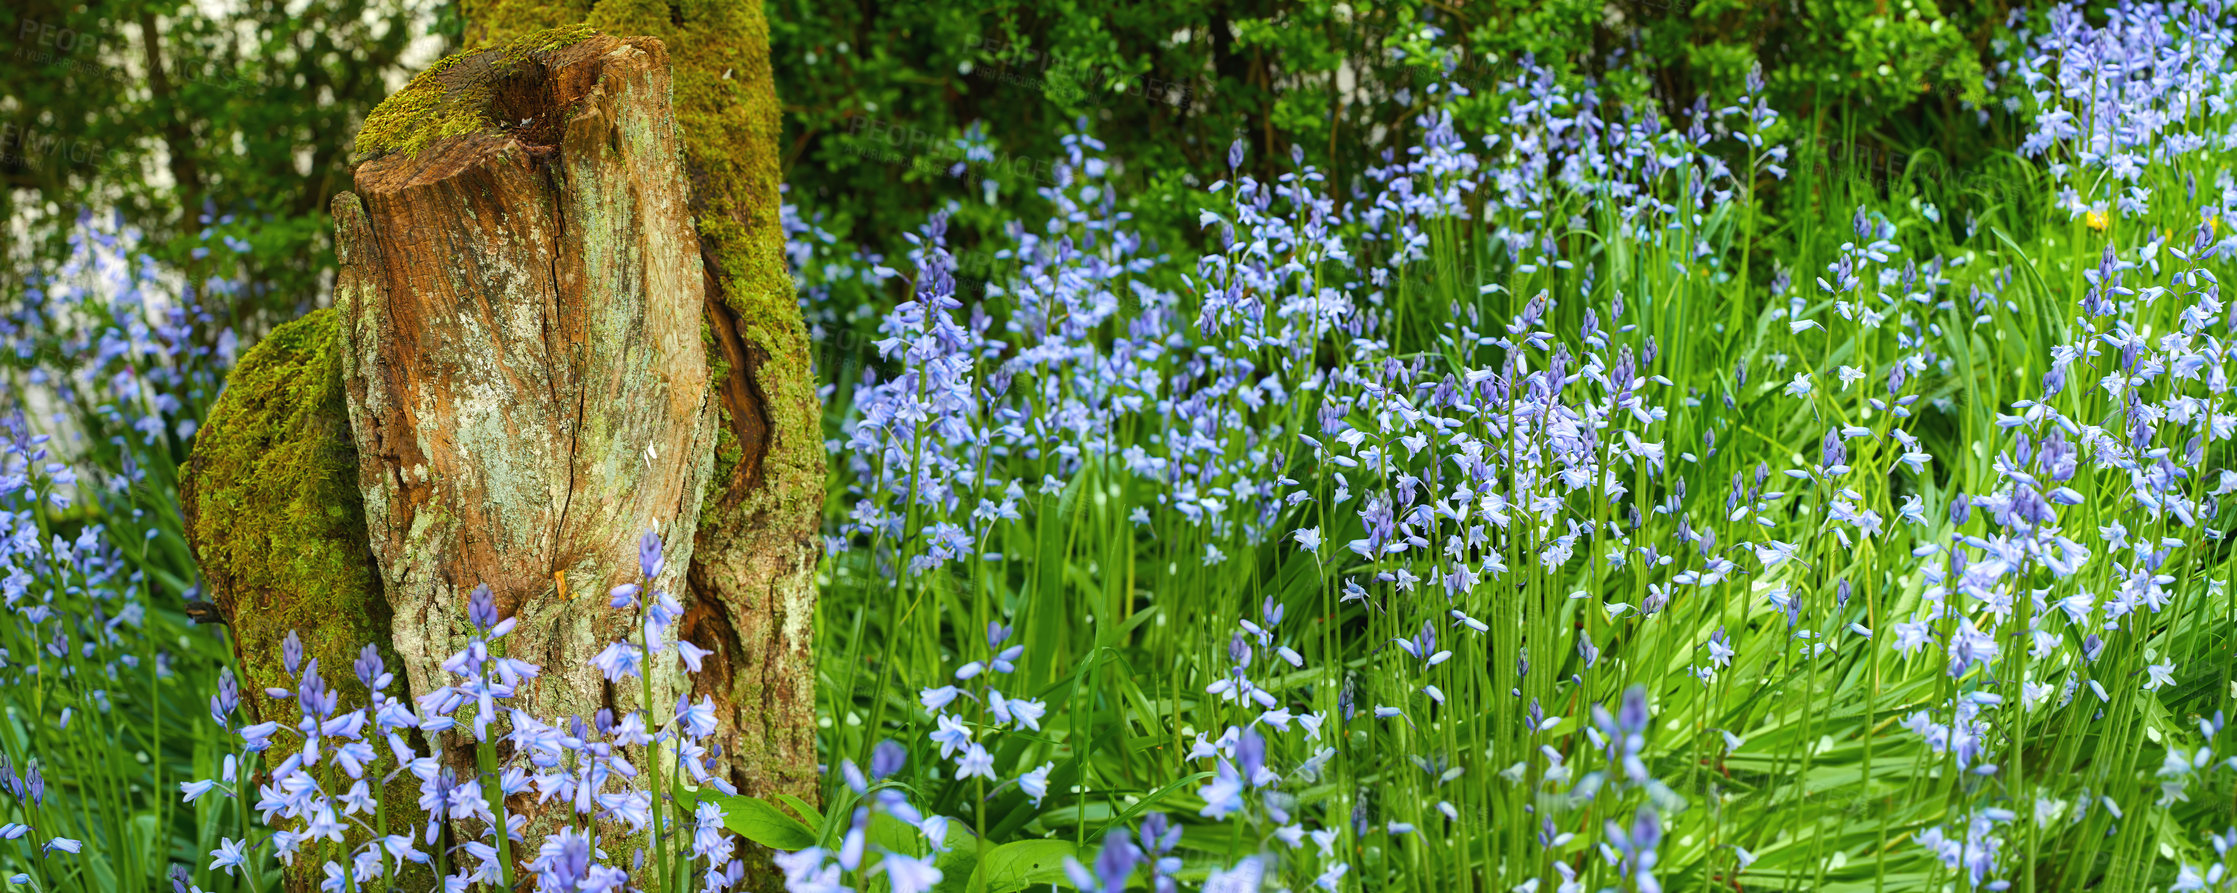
{"x": 562, "y": 314}
{"x": 528, "y": 388}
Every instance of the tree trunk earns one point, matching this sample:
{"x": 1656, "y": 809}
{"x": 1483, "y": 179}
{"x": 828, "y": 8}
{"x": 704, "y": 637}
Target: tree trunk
{"x": 752, "y": 579}
{"x": 528, "y": 388}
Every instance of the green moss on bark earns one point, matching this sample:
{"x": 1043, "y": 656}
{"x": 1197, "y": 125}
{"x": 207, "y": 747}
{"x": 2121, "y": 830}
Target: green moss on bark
{"x": 278, "y": 525}
{"x": 453, "y": 96}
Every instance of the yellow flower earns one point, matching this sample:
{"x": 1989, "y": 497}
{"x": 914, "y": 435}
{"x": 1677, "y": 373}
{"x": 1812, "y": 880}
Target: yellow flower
{"x": 2096, "y": 220}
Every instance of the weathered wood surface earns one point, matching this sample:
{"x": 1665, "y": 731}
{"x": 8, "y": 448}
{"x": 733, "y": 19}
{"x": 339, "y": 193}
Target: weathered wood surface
{"x": 528, "y": 385}
{"x": 753, "y": 589}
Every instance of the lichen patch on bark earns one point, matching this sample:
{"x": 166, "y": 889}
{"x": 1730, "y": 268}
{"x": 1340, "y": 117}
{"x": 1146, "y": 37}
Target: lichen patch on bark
{"x": 464, "y": 94}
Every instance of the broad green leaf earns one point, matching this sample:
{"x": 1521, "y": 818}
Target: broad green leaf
{"x": 959, "y": 863}
{"x": 755, "y": 819}
{"x": 1024, "y": 863}
{"x": 813, "y": 816}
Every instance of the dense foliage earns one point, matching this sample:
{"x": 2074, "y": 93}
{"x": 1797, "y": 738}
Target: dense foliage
{"x": 200, "y": 124}
{"x": 1489, "y": 521}
{"x": 208, "y": 121}
{"x": 893, "y": 106}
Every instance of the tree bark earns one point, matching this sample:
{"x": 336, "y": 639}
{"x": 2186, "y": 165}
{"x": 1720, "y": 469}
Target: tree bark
{"x": 528, "y": 388}
{"x": 752, "y": 580}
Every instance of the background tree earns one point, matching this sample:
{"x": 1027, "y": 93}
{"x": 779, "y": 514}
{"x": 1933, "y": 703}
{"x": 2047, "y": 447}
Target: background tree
{"x": 219, "y": 130}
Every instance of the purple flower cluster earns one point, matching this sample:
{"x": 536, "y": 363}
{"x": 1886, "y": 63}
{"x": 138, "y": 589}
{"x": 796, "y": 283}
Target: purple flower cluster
{"x": 601, "y": 773}
{"x": 114, "y": 364}
{"x": 962, "y": 738}
{"x": 2108, "y": 103}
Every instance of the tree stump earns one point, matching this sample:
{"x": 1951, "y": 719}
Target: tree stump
{"x": 528, "y": 385}
{"x": 526, "y": 319}
{"x": 753, "y": 588}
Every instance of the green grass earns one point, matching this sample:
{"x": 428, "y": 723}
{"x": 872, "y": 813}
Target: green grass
{"x": 1125, "y": 624}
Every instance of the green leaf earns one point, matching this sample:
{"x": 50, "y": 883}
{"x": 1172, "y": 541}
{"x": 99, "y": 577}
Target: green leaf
{"x": 1024, "y": 863}
{"x": 888, "y": 832}
{"x": 958, "y": 864}
{"x": 755, "y": 819}
{"x": 1153, "y": 798}
{"x": 806, "y": 811}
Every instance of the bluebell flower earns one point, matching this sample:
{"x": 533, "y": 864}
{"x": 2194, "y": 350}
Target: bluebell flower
{"x": 618, "y": 661}
{"x": 975, "y": 762}
{"x": 951, "y": 735}
{"x": 229, "y": 855}
{"x": 1026, "y": 713}
{"x": 623, "y": 596}
{"x": 1035, "y": 784}
{"x": 909, "y": 874}
{"x": 649, "y": 560}
{"x": 887, "y": 758}
{"x": 481, "y": 608}
{"x": 1223, "y": 795}
{"x": 938, "y": 698}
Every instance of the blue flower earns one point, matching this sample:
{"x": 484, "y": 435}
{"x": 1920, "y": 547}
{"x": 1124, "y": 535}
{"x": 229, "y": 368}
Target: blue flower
{"x": 887, "y": 758}
{"x": 975, "y": 762}
{"x": 951, "y": 735}
{"x": 936, "y": 699}
{"x": 618, "y": 661}
{"x": 909, "y": 874}
{"x": 649, "y": 559}
{"x": 230, "y": 854}
{"x": 1026, "y": 713}
{"x": 1223, "y": 795}
{"x": 481, "y": 608}
{"x": 699, "y": 720}
{"x": 1035, "y": 784}
{"x": 622, "y": 597}
{"x": 195, "y": 789}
